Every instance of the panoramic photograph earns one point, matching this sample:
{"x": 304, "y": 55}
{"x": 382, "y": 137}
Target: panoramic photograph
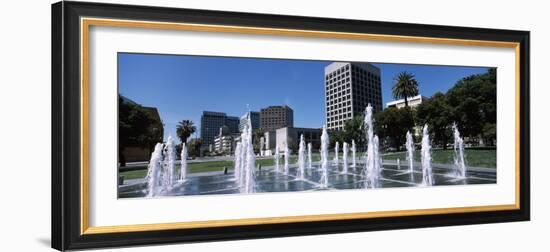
{"x": 208, "y": 125}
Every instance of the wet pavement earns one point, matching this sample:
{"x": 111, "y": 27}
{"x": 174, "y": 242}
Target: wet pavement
{"x": 267, "y": 180}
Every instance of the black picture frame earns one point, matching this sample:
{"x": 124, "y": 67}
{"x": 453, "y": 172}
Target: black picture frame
{"x": 66, "y": 125}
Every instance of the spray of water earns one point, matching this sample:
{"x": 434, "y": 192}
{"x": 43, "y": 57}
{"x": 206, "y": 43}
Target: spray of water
{"x": 249, "y": 159}
{"x": 426, "y": 158}
{"x": 183, "y": 162}
{"x": 353, "y": 151}
{"x": 324, "y": 158}
{"x": 345, "y": 158}
{"x": 410, "y": 151}
{"x": 372, "y": 159}
{"x": 460, "y": 165}
{"x": 169, "y": 162}
{"x": 154, "y": 171}
{"x": 301, "y": 158}
{"x": 237, "y": 162}
{"x": 336, "y": 153}
{"x": 309, "y": 156}
{"x": 287, "y": 155}
{"x": 277, "y": 156}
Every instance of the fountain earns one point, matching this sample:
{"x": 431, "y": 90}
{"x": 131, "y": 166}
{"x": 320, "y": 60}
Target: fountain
{"x": 410, "y": 151}
{"x": 301, "y": 158}
{"x": 242, "y": 159}
{"x": 345, "y": 158}
{"x": 353, "y": 150}
{"x": 287, "y": 154}
{"x": 398, "y": 164}
{"x": 460, "y": 165}
{"x": 183, "y": 162}
{"x": 426, "y": 158}
{"x": 372, "y": 159}
{"x": 309, "y": 155}
{"x": 169, "y": 162}
{"x": 336, "y": 161}
{"x": 237, "y": 162}
{"x": 324, "y": 157}
{"x": 154, "y": 171}
{"x": 249, "y": 158}
{"x": 277, "y": 157}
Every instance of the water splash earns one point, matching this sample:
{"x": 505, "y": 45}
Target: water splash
{"x": 324, "y": 157}
{"x": 154, "y": 171}
{"x": 372, "y": 159}
{"x": 170, "y": 162}
{"x": 277, "y": 156}
{"x": 183, "y": 162}
{"x": 336, "y": 153}
{"x": 237, "y": 163}
{"x": 426, "y": 158}
{"x": 309, "y": 156}
{"x": 460, "y": 165}
{"x": 287, "y": 155}
{"x": 410, "y": 151}
{"x": 345, "y": 158}
{"x": 301, "y": 158}
{"x": 249, "y": 159}
{"x": 353, "y": 150}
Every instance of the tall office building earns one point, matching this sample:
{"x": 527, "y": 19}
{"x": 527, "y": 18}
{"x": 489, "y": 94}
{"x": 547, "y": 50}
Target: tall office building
{"x": 232, "y": 122}
{"x": 211, "y": 122}
{"x": 254, "y": 118}
{"x": 349, "y": 88}
{"x": 276, "y": 117}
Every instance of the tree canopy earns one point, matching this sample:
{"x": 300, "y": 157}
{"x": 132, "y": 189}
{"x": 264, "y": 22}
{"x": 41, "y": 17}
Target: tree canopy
{"x": 473, "y": 103}
{"x": 392, "y": 125}
{"x": 438, "y": 115}
{"x": 136, "y": 127}
{"x": 185, "y": 129}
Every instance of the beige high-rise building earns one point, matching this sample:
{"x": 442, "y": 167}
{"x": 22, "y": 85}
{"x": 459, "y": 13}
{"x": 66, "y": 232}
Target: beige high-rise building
{"x": 349, "y": 88}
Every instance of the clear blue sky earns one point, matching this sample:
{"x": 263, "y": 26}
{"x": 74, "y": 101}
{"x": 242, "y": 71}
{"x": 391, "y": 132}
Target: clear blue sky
{"x": 181, "y": 87}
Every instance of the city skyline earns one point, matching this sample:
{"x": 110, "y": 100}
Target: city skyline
{"x": 177, "y": 85}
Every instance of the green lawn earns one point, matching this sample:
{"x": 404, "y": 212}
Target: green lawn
{"x": 474, "y": 157}
{"x": 212, "y": 166}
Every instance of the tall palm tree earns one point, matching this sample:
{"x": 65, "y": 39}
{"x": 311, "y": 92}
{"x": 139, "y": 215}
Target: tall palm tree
{"x": 184, "y": 129}
{"x": 405, "y": 85}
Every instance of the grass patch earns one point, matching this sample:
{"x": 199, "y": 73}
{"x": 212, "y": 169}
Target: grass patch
{"x": 474, "y": 157}
{"x": 211, "y": 166}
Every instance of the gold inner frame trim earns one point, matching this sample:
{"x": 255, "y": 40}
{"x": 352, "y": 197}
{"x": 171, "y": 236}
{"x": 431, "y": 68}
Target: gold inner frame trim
{"x": 86, "y": 23}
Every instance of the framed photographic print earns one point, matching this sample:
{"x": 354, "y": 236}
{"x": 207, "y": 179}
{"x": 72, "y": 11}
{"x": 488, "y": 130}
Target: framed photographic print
{"x": 179, "y": 125}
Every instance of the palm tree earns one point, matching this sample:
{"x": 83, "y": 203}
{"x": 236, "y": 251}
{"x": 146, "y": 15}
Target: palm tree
{"x": 405, "y": 86}
{"x": 184, "y": 129}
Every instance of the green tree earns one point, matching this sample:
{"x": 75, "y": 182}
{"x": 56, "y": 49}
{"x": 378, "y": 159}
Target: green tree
{"x": 405, "y": 85}
{"x": 185, "y": 129}
{"x": 353, "y": 130}
{"x": 437, "y": 113}
{"x": 490, "y": 133}
{"x": 392, "y": 125}
{"x": 136, "y": 127}
{"x": 473, "y": 100}
{"x": 194, "y": 147}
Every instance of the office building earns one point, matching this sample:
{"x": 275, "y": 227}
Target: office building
{"x": 211, "y": 122}
{"x": 254, "y": 118}
{"x": 275, "y": 117}
{"x": 349, "y": 88}
{"x": 412, "y": 101}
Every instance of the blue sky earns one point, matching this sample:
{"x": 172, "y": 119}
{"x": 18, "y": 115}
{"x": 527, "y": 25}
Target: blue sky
{"x": 181, "y": 87}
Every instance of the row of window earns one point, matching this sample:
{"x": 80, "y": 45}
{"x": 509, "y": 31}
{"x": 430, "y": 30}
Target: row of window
{"x": 339, "y": 105}
{"x": 338, "y": 71}
{"x": 339, "y": 118}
